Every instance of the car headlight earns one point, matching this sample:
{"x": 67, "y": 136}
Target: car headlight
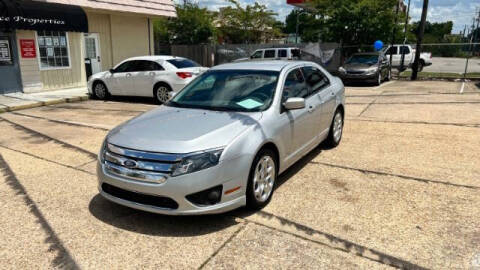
{"x": 372, "y": 70}
{"x": 342, "y": 70}
{"x": 101, "y": 155}
{"x": 197, "y": 162}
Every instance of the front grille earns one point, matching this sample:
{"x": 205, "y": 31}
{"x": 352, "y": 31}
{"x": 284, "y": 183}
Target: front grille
{"x": 149, "y": 200}
{"x": 139, "y": 165}
{"x": 355, "y": 72}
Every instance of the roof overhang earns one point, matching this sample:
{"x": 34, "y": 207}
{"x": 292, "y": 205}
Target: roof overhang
{"x": 153, "y": 8}
{"x": 32, "y": 15}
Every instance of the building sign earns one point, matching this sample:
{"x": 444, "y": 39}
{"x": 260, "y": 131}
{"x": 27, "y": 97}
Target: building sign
{"x": 27, "y": 48}
{"x": 31, "y": 21}
{"x": 5, "y": 55}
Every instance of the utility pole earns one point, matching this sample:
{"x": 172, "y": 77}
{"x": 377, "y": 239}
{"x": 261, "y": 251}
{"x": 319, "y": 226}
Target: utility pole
{"x": 393, "y": 35}
{"x": 405, "y": 36}
{"x": 421, "y": 30}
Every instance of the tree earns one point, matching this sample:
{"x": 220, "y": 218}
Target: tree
{"x": 193, "y": 25}
{"x": 309, "y": 28}
{"x": 357, "y": 21}
{"x": 250, "y": 24}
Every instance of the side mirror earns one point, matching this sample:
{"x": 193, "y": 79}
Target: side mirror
{"x": 112, "y": 70}
{"x": 294, "y": 103}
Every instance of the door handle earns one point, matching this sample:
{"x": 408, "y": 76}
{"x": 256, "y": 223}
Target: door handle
{"x": 152, "y": 73}
{"x": 128, "y": 75}
{"x": 311, "y": 109}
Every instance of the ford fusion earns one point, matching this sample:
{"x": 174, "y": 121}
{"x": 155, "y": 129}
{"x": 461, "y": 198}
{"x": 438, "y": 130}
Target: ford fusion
{"x": 222, "y": 141}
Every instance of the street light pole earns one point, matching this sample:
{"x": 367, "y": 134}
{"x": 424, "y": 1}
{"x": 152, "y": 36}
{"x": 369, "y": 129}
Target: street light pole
{"x": 297, "y": 25}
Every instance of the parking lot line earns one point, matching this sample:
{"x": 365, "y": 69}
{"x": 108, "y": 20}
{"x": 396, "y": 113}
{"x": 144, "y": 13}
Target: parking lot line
{"x": 462, "y": 88}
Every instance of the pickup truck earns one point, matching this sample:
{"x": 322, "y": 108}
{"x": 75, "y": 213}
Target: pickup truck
{"x": 409, "y": 52}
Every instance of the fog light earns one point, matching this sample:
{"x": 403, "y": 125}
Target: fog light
{"x": 207, "y": 197}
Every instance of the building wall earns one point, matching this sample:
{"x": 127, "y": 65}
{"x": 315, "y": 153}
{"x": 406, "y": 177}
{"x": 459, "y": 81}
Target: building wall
{"x": 34, "y": 79}
{"x": 100, "y": 23}
{"x": 121, "y": 36}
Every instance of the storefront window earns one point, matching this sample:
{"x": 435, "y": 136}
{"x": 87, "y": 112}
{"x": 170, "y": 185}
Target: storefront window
{"x": 53, "y": 49}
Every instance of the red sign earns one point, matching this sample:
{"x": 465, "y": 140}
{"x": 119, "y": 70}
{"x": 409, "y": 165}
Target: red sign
{"x": 27, "y": 47}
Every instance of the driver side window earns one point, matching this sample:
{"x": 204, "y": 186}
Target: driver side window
{"x": 294, "y": 85}
{"x": 125, "y": 67}
{"x": 257, "y": 54}
{"x": 315, "y": 79}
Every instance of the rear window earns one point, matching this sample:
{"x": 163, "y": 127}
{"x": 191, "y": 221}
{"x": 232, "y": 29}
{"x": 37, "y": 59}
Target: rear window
{"x": 183, "y": 63}
{"x": 282, "y": 53}
{"x": 269, "y": 54}
{"x": 295, "y": 53}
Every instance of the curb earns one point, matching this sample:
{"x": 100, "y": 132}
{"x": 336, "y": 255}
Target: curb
{"x": 43, "y": 103}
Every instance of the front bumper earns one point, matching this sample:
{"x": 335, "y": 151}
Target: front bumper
{"x": 229, "y": 174}
{"x": 358, "y": 77}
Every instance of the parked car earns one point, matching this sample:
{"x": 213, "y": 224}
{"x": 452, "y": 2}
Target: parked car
{"x": 147, "y": 76}
{"x": 290, "y": 53}
{"x": 409, "y": 57}
{"x": 366, "y": 67}
{"x": 223, "y": 140}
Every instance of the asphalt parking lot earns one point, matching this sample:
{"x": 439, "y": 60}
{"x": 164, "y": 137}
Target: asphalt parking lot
{"x": 401, "y": 191}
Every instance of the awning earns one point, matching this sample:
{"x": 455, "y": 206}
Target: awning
{"x": 33, "y": 15}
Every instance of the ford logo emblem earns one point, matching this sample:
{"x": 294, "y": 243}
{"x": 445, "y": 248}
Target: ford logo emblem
{"x": 130, "y": 163}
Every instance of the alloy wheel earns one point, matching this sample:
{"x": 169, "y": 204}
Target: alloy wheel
{"x": 163, "y": 94}
{"x": 264, "y": 178}
{"x": 100, "y": 91}
{"x": 337, "y": 127}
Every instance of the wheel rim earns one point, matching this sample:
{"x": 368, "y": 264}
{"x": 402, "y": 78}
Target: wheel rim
{"x": 389, "y": 74}
{"x": 337, "y": 127}
{"x": 163, "y": 95}
{"x": 100, "y": 90}
{"x": 264, "y": 178}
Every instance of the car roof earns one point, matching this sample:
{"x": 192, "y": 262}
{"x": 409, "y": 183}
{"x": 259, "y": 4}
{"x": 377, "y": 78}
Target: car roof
{"x": 154, "y": 58}
{"x": 272, "y": 65}
{"x": 283, "y": 48}
{"x": 368, "y": 53}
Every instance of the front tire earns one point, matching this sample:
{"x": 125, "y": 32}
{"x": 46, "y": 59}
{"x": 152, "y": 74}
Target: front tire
{"x": 162, "y": 93}
{"x": 100, "y": 91}
{"x": 378, "y": 82}
{"x": 261, "y": 181}
{"x": 389, "y": 75}
{"x": 336, "y": 130}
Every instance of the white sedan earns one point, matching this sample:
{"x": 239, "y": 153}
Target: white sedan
{"x": 146, "y": 76}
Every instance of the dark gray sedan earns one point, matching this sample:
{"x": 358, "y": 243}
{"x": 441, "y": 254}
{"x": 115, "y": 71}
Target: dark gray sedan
{"x": 366, "y": 67}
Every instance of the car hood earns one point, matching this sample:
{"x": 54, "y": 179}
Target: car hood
{"x": 178, "y": 130}
{"x": 357, "y": 66}
{"x": 99, "y": 75}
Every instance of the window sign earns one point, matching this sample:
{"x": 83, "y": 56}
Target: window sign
{"x": 27, "y": 48}
{"x": 5, "y": 55}
{"x": 54, "y": 52}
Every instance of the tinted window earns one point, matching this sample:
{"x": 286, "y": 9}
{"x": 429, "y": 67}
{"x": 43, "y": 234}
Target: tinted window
{"x": 257, "y": 54}
{"x": 315, "y": 79}
{"x": 404, "y": 50}
{"x": 282, "y": 53}
{"x": 363, "y": 59}
{"x": 183, "y": 63}
{"x": 269, "y": 54}
{"x": 126, "y": 67}
{"x": 229, "y": 90}
{"x": 148, "y": 66}
{"x": 295, "y": 85}
{"x": 392, "y": 50}
{"x": 296, "y": 53}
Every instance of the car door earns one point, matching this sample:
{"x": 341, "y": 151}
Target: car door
{"x": 406, "y": 55}
{"x": 144, "y": 77}
{"x": 396, "y": 56}
{"x": 323, "y": 96}
{"x": 120, "y": 79}
{"x": 298, "y": 125}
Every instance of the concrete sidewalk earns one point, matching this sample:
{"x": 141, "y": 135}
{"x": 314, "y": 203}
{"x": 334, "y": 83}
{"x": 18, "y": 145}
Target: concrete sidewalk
{"x": 20, "y": 101}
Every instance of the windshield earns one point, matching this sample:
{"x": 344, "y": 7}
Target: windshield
{"x": 363, "y": 59}
{"x": 183, "y": 63}
{"x": 229, "y": 90}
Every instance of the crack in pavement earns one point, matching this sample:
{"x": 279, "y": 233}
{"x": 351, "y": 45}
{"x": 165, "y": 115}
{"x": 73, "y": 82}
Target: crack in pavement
{"x": 64, "y": 144}
{"x": 411, "y": 94}
{"x": 370, "y": 104}
{"x": 412, "y": 178}
{"x": 69, "y": 123}
{"x": 417, "y": 122}
{"x": 415, "y": 103}
{"x": 48, "y": 160}
{"x": 63, "y": 258}
{"x": 338, "y": 243}
{"x": 224, "y": 244}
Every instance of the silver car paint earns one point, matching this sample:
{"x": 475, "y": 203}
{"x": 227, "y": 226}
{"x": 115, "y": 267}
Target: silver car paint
{"x": 176, "y": 130}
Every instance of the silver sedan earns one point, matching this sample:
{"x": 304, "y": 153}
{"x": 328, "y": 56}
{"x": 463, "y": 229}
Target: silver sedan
{"x": 222, "y": 141}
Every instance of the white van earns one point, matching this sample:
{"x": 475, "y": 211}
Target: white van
{"x": 290, "y": 53}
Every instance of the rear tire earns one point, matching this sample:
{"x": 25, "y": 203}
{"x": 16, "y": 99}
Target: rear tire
{"x": 336, "y": 130}
{"x": 262, "y": 178}
{"x": 162, "y": 93}
{"x": 100, "y": 91}
{"x": 378, "y": 82}
{"x": 421, "y": 64}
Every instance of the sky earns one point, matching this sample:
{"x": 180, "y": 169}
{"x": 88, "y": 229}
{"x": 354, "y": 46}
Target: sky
{"x": 460, "y": 12}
